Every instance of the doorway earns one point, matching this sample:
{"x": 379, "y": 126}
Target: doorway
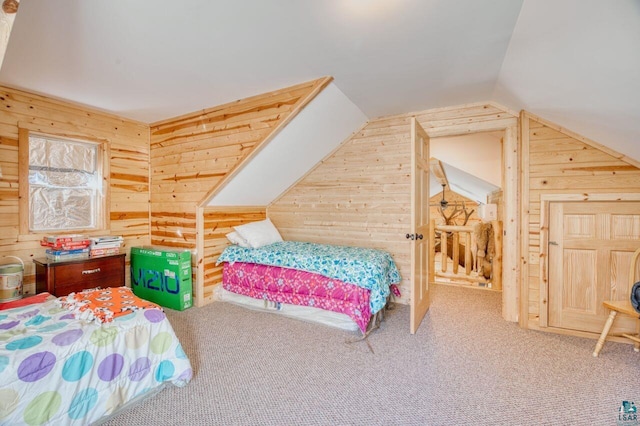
{"x": 466, "y": 208}
{"x": 509, "y": 211}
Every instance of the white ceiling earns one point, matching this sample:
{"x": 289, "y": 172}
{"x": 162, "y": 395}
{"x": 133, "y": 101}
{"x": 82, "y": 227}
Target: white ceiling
{"x": 472, "y": 164}
{"x": 574, "y": 62}
{"x": 465, "y": 184}
{"x": 479, "y": 154}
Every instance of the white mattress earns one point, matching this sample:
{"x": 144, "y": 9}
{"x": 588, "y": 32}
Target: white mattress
{"x": 305, "y": 313}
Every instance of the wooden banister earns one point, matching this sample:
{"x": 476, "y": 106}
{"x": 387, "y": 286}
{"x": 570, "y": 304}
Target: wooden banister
{"x": 453, "y": 235}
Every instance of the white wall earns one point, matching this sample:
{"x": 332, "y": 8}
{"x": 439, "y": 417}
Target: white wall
{"x": 479, "y": 154}
{"x": 472, "y": 163}
{"x": 318, "y": 129}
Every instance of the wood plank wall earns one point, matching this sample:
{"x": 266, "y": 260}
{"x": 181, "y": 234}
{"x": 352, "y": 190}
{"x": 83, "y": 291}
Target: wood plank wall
{"x": 361, "y": 193}
{"x": 129, "y": 168}
{"x": 556, "y": 161}
{"x": 218, "y": 222}
{"x": 193, "y": 153}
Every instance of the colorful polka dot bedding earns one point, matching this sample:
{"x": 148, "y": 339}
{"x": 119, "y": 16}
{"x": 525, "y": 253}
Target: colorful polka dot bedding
{"x": 58, "y": 369}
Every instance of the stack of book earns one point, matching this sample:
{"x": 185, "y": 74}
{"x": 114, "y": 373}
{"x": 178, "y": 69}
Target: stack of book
{"x": 105, "y": 246}
{"x": 66, "y": 247}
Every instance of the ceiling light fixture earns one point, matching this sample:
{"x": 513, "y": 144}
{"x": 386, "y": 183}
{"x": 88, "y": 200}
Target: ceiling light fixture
{"x": 368, "y": 9}
{"x": 443, "y": 202}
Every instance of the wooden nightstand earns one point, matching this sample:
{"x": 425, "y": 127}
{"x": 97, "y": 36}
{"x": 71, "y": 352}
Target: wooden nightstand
{"x": 62, "y": 278}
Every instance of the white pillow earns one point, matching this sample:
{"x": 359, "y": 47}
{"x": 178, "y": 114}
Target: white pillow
{"x": 258, "y": 234}
{"x": 235, "y": 238}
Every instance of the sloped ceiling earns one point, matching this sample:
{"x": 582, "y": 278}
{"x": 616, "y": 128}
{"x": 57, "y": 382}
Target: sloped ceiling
{"x": 472, "y": 164}
{"x": 463, "y": 183}
{"x": 571, "y": 61}
{"x": 577, "y": 63}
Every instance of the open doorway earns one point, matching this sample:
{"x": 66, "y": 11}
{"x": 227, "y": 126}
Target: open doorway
{"x": 466, "y": 206}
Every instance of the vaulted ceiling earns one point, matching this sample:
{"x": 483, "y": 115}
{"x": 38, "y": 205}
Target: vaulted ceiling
{"x": 574, "y": 62}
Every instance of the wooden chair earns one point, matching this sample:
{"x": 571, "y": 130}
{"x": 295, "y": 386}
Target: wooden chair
{"x": 623, "y": 307}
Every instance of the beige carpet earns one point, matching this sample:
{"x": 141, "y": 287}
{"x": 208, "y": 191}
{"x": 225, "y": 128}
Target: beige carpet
{"x": 465, "y": 366}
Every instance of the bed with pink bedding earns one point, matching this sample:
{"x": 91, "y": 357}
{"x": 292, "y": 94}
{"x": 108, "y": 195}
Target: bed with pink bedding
{"x": 353, "y": 281}
{"x": 295, "y": 287}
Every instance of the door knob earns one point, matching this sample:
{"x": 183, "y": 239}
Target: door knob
{"x": 419, "y": 237}
{"x": 411, "y": 237}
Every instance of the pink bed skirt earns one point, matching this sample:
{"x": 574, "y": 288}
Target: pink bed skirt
{"x": 298, "y": 288}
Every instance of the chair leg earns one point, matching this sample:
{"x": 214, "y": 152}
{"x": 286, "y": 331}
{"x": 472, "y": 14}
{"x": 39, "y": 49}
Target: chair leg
{"x": 605, "y": 331}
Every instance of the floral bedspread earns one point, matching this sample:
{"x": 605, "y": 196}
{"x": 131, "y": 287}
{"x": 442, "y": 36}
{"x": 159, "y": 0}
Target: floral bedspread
{"x": 284, "y": 285}
{"x": 368, "y": 268}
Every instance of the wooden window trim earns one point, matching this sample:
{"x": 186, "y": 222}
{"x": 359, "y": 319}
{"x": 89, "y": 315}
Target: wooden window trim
{"x": 103, "y": 222}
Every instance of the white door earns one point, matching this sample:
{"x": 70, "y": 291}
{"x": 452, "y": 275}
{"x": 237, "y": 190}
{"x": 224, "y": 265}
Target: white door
{"x": 420, "y": 297}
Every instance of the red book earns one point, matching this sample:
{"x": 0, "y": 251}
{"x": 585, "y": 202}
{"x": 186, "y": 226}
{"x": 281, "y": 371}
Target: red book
{"x": 58, "y": 239}
{"x": 68, "y": 245}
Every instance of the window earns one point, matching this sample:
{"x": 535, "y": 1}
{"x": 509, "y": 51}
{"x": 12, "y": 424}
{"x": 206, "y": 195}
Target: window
{"x": 65, "y": 184}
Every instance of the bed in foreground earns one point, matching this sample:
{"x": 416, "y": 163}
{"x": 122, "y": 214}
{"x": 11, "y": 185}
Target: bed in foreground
{"x": 58, "y": 369}
{"x": 354, "y": 281}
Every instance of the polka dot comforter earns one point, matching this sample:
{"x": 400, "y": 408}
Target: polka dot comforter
{"x": 58, "y": 370}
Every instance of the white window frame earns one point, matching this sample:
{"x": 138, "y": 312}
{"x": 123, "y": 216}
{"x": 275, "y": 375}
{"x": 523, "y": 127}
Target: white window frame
{"x": 100, "y": 209}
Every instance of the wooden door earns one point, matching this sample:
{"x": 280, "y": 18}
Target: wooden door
{"x": 590, "y": 249}
{"x": 420, "y": 297}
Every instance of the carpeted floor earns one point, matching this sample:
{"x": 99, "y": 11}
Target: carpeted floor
{"x": 465, "y": 366}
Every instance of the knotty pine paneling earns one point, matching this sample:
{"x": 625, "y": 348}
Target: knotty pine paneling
{"x": 128, "y": 143}
{"x": 218, "y": 222}
{"x": 561, "y": 163}
{"x": 361, "y": 193}
{"x": 192, "y": 154}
